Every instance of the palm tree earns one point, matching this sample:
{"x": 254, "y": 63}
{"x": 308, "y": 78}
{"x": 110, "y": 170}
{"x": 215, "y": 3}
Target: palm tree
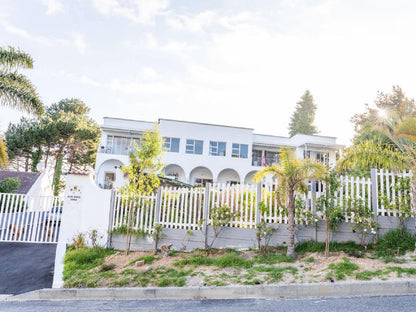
{"x": 16, "y": 91}
{"x": 292, "y": 175}
{"x": 400, "y": 154}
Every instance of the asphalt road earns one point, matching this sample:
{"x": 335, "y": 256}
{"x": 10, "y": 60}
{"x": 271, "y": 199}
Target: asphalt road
{"x": 26, "y": 267}
{"x": 387, "y": 304}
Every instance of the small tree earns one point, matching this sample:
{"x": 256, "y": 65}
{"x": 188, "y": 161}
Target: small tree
{"x": 326, "y": 204}
{"x": 142, "y": 174}
{"x": 292, "y": 175}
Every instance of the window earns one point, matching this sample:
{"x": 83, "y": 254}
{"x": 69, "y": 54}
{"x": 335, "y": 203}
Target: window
{"x": 172, "y": 145}
{"x": 217, "y": 148}
{"x": 239, "y": 150}
{"x": 256, "y": 156}
{"x": 322, "y": 158}
{"x": 271, "y": 158}
{"x": 306, "y": 154}
{"x": 194, "y": 147}
{"x": 120, "y": 145}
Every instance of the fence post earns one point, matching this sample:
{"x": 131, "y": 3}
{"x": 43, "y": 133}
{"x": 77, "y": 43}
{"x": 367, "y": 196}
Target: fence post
{"x": 313, "y": 197}
{"x": 158, "y": 206}
{"x": 205, "y": 213}
{"x": 374, "y": 192}
{"x": 258, "y": 200}
{"x": 111, "y": 218}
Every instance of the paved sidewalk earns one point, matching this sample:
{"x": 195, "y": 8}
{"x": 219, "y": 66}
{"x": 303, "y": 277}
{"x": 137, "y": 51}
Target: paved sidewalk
{"x": 317, "y": 290}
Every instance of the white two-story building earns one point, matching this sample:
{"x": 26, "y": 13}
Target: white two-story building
{"x": 197, "y": 153}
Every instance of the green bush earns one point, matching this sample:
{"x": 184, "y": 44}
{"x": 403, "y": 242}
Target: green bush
{"x": 313, "y": 246}
{"x": 395, "y": 242}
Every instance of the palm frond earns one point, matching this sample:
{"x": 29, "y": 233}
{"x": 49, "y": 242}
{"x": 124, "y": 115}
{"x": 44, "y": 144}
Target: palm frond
{"x": 370, "y": 154}
{"x": 12, "y": 58}
{"x": 17, "y": 91}
{"x": 3, "y": 153}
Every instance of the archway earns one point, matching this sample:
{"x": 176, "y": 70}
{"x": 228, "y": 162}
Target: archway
{"x": 249, "y": 177}
{"x": 200, "y": 176}
{"x": 176, "y": 172}
{"x": 109, "y": 174}
{"x": 229, "y": 176}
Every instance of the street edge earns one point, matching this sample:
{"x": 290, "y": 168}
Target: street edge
{"x": 290, "y": 291}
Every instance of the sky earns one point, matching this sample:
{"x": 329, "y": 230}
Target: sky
{"x": 232, "y": 62}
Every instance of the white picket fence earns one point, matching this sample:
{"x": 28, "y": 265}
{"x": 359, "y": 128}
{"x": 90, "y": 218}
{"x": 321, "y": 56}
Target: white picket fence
{"x": 183, "y": 208}
{"x": 29, "y": 219}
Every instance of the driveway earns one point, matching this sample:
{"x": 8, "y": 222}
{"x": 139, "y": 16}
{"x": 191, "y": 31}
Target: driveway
{"x": 25, "y": 267}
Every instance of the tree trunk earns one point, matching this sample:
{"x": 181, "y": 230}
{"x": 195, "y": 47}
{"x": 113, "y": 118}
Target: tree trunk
{"x": 291, "y": 225}
{"x": 329, "y": 205}
{"x": 414, "y": 201}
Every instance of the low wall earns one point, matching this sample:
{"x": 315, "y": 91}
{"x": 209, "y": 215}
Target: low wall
{"x": 246, "y": 238}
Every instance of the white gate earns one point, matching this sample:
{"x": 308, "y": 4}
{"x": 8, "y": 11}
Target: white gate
{"x": 29, "y": 219}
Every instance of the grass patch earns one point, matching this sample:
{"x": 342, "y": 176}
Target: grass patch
{"x": 275, "y": 274}
{"x": 395, "y": 242}
{"x": 310, "y": 260}
{"x": 229, "y": 260}
{"x": 272, "y": 258}
{"x": 368, "y": 275}
{"x": 107, "y": 267}
{"x": 78, "y": 261}
{"x": 342, "y": 269}
{"x": 313, "y": 246}
{"x": 400, "y": 271}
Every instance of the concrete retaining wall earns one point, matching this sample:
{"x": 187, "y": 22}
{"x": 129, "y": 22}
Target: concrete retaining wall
{"x": 246, "y": 238}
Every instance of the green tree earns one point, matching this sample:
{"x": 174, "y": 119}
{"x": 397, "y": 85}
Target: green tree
{"x": 303, "y": 118}
{"x": 142, "y": 174}
{"x": 400, "y": 154}
{"x": 9, "y": 185}
{"x": 65, "y": 134}
{"x": 376, "y": 122}
{"x": 292, "y": 175}
{"x": 74, "y": 135}
{"x": 24, "y": 143}
{"x": 16, "y": 91}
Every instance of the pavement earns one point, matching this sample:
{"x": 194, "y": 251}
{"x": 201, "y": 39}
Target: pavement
{"x": 290, "y": 291}
{"x": 25, "y": 267}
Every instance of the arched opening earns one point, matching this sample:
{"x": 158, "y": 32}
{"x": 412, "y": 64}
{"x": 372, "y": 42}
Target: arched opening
{"x": 176, "y": 172}
{"x": 249, "y": 177}
{"x": 229, "y": 176}
{"x": 200, "y": 176}
{"x": 110, "y": 175}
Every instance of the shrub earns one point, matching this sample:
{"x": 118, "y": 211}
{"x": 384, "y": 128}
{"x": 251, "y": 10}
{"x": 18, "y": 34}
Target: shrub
{"x": 395, "y": 242}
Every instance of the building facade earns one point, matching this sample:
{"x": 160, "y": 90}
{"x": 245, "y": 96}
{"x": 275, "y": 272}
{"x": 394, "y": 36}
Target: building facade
{"x": 197, "y": 153}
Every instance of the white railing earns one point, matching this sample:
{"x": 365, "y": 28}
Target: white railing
{"x": 241, "y": 198}
{"x": 140, "y": 208}
{"x": 183, "y": 208}
{"x": 393, "y": 192}
{"x": 29, "y": 219}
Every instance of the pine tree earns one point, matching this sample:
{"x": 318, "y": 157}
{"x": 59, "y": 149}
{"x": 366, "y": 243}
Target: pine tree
{"x": 302, "y": 120}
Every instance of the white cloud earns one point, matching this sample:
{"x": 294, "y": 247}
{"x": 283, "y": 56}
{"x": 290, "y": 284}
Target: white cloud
{"x": 53, "y": 6}
{"x": 75, "y": 40}
{"x": 149, "y": 73}
{"x": 137, "y": 11}
{"x": 175, "y": 47}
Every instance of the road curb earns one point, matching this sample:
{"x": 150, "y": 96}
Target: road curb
{"x": 317, "y": 290}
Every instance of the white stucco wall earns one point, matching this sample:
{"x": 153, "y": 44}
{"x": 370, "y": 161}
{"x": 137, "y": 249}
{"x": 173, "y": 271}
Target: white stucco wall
{"x": 206, "y": 133}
